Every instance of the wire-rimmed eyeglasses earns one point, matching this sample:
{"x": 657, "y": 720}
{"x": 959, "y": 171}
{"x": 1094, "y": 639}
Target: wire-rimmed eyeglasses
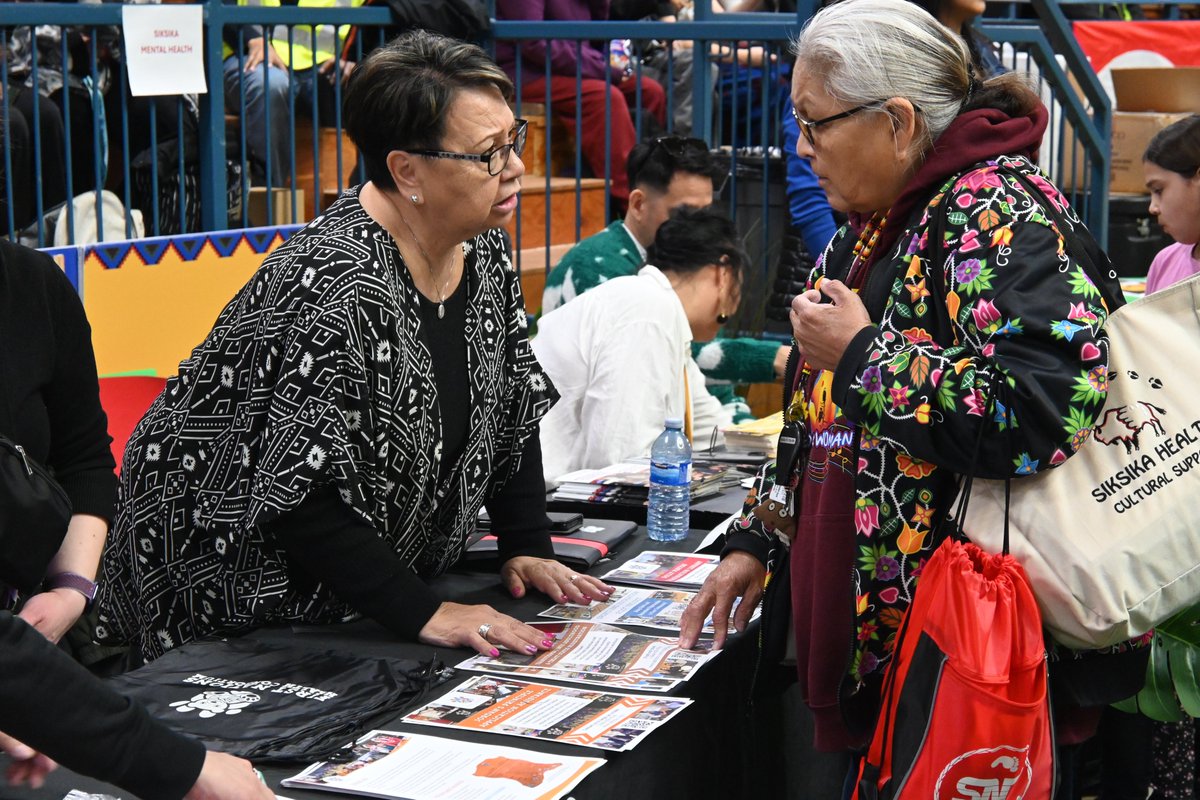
{"x": 496, "y": 158}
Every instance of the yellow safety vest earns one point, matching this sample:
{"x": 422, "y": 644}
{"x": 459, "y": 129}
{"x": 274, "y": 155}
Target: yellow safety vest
{"x": 226, "y": 50}
{"x": 300, "y": 55}
{"x": 330, "y": 38}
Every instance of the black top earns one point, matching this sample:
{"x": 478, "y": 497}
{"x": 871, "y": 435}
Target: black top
{"x": 58, "y": 708}
{"x": 448, "y": 347}
{"x": 323, "y": 537}
{"x": 49, "y": 396}
{"x": 318, "y": 372}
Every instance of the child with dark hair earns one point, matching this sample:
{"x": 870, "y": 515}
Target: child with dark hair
{"x": 1172, "y": 165}
{"x": 620, "y": 355}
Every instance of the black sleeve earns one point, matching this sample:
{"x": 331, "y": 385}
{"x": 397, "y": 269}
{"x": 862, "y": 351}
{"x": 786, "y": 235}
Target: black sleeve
{"x": 60, "y": 709}
{"x": 518, "y": 509}
{"x": 325, "y": 539}
{"x": 80, "y": 447}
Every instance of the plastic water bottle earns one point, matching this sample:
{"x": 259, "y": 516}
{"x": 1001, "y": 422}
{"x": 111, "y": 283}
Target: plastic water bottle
{"x": 668, "y": 515}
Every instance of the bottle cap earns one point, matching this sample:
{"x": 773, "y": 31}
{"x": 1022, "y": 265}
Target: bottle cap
{"x": 674, "y": 422}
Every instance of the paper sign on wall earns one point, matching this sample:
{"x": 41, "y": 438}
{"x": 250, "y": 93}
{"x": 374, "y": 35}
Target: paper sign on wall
{"x": 164, "y": 49}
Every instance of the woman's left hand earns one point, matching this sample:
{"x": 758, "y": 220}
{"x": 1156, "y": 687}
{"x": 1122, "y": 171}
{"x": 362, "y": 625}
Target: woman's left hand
{"x": 563, "y": 585}
{"x": 53, "y": 613}
{"x": 823, "y": 328}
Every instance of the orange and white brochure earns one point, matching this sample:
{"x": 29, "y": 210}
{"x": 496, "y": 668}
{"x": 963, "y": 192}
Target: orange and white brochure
{"x": 390, "y": 765}
{"x": 584, "y": 650}
{"x": 646, "y": 608}
{"x": 660, "y": 569}
{"x": 585, "y": 717}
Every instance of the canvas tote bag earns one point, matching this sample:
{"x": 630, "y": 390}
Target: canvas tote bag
{"x": 1111, "y": 538}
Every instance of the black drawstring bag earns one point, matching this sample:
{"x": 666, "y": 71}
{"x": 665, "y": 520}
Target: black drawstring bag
{"x": 34, "y": 514}
{"x": 268, "y": 702}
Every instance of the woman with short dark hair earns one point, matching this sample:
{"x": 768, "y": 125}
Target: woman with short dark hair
{"x": 329, "y": 445}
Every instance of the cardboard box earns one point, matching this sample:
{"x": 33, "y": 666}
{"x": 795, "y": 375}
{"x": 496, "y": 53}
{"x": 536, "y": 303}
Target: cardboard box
{"x": 281, "y": 207}
{"x": 1147, "y": 100}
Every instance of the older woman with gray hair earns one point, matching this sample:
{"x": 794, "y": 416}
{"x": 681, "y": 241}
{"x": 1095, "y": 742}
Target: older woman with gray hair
{"x": 951, "y": 275}
{"x": 328, "y": 446}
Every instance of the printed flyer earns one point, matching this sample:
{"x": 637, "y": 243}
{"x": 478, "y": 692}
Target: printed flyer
{"x": 662, "y": 570}
{"x": 401, "y": 765}
{"x": 649, "y": 608}
{"x": 586, "y": 717}
{"x": 589, "y": 648}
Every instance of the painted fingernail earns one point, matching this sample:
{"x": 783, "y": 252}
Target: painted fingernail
{"x": 495, "y": 653}
{"x": 565, "y": 599}
{"x": 547, "y": 643}
{"x": 529, "y": 648}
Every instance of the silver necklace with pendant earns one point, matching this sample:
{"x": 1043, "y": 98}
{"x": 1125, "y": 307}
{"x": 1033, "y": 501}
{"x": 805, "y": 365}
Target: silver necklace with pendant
{"x": 429, "y": 268}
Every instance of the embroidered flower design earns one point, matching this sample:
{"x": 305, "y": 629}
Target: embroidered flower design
{"x": 188, "y": 461}
{"x": 887, "y": 568}
{"x": 1026, "y": 465}
{"x": 913, "y": 467}
{"x": 866, "y": 516}
{"x": 916, "y": 335}
{"x": 911, "y": 540}
{"x": 872, "y": 380}
{"x": 968, "y": 271}
{"x": 987, "y": 318}
{"x": 975, "y": 402}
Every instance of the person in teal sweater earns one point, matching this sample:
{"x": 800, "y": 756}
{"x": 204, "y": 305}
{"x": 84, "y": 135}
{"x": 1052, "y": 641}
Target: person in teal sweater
{"x": 664, "y": 173}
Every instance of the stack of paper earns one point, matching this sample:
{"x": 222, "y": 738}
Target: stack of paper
{"x": 628, "y": 605}
{"x": 755, "y": 435}
{"x": 388, "y": 764}
{"x": 659, "y": 569}
{"x": 628, "y": 483}
{"x": 604, "y": 655}
{"x": 586, "y": 717}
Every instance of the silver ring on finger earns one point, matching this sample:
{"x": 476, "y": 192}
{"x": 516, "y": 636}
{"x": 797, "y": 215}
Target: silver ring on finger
{"x": 484, "y": 629}
{"x": 572, "y": 578}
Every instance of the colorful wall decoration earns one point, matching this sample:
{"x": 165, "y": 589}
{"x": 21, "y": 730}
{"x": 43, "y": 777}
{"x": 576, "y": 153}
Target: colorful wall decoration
{"x": 150, "y": 301}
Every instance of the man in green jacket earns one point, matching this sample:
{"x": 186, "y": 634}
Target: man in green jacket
{"x": 664, "y": 173}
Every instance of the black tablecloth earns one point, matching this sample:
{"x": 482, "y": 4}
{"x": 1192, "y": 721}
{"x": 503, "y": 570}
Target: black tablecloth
{"x": 705, "y": 514}
{"x": 710, "y": 750}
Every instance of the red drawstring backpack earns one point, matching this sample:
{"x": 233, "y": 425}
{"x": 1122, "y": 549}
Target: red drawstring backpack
{"x": 965, "y": 714}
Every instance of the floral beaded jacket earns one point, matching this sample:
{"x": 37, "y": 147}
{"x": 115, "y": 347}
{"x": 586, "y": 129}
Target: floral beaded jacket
{"x": 898, "y": 419}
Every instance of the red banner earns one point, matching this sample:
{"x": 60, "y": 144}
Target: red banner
{"x": 1140, "y": 44}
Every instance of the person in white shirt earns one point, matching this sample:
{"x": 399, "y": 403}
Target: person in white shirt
{"x": 620, "y": 355}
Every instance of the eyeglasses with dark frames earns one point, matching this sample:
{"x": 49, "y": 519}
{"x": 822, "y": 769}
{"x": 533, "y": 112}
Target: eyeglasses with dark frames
{"x": 496, "y": 159}
{"x": 806, "y": 126}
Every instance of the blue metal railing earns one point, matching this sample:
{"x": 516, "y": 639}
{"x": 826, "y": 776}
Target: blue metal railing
{"x": 735, "y": 104}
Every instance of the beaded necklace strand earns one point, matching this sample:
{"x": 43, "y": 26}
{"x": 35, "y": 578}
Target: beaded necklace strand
{"x": 869, "y": 238}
